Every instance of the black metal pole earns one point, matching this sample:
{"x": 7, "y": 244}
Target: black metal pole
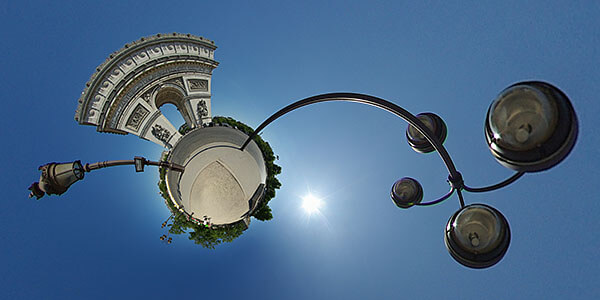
{"x": 455, "y": 178}
{"x": 371, "y": 100}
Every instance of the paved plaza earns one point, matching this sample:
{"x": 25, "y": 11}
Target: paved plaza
{"x": 219, "y": 181}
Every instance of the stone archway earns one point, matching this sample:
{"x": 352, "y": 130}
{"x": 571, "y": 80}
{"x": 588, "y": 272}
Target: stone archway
{"x": 126, "y": 91}
{"x": 175, "y": 95}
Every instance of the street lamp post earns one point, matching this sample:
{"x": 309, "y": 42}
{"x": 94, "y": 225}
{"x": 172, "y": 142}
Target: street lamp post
{"x": 56, "y": 178}
{"x": 530, "y": 127}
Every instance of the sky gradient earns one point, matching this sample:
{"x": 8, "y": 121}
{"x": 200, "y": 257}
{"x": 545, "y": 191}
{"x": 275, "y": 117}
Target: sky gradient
{"x": 101, "y": 239}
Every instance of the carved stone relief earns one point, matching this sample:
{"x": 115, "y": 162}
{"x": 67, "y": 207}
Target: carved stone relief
{"x": 147, "y": 96}
{"x": 176, "y": 81}
{"x": 140, "y": 56}
{"x": 202, "y": 109}
{"x": 137, "y": 117}
{"x": 198, "y": 85}
{"x": 160, "y": 133}
{"x": 118, "y": 106}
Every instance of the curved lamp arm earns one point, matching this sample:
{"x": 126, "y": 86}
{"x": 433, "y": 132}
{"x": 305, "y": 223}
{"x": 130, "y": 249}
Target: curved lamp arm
{"x": 446, "y": 196}
{"x": 495, "y": 186}
{"x": 371, "y": 100}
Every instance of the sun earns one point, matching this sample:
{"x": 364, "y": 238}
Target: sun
{"x": 311, "y": 204}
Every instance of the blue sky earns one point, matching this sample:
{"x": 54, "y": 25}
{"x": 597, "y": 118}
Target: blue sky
{"x": 100, "y": 239}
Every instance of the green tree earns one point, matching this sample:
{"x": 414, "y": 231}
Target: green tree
{"x": 263, "y": 213}
{"x": 183, "y": 129}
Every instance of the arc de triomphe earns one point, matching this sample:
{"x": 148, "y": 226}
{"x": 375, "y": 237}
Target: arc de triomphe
{"x": 126, "y": 91}
{"x": 220, "y": 183}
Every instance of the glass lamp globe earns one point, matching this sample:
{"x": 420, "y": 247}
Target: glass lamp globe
{"x": 406, "y": 192}
{"x": 477, "y": 236}
{"x": 418, "y": 141}
{"x": 531, "y": 126}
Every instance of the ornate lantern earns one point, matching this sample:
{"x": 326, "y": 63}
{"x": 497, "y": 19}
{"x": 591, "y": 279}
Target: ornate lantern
{"x": 418, "y": 141}
{"x": 531, "y": 126}
{"x": 477, "y": 236}
{"x": 56, "y": 178}
{"x": 407, "y": 192}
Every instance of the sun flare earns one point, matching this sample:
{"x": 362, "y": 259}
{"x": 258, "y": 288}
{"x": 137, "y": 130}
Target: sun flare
{"x": 311, "y": 204}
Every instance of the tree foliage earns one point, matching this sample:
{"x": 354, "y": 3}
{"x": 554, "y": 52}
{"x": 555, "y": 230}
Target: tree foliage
{"x": 263, "y": 213}
{"x": 200, "y": 234}
{"x": 185, "y": 128}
